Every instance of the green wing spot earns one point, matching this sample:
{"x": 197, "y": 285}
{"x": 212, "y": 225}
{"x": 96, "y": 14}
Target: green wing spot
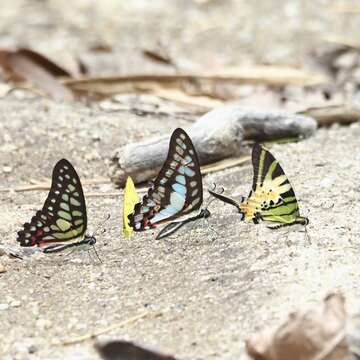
{"x": 65, "y": 197}
{"x": 65, "y": 207}
{"x": 65, "y": 215}
{"x": 272, "y": 167}
{"x": 78, "y": 221}
{"x": 282, "y": 210}
{"x": 49, "y": 237}
{"x": 54, "y": 228}
{"x": 74, "y": 202}
{"x": 63, "y": 224}
{"x": 76, "y": 213}
{"x": 71, "y": 187}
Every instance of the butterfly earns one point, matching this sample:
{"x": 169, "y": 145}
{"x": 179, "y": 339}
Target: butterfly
{"x": 131, "y": 198}
{"x": 62, "y": 220}
{"x": 176, "y": 192}
{"x": 272, "y": 198}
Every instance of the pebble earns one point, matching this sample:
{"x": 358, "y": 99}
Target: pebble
{"x": 15, "y": 303}
{"x": 7, "y": 169}
{"x": 4, "y": 307}
{"x": 43, "y": 324}
{"x": 2, "y": 269}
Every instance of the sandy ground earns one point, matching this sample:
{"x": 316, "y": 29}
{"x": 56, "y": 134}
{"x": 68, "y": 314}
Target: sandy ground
{"x": 213, "y": 284}
{"x": 210, "y": 286}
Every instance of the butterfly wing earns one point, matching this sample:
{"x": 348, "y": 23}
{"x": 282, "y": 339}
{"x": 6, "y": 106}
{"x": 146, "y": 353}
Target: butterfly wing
{"x": 272, "y": 197}
{"x": 131, "y": 198}
{"x": 63, "y": 216}
{"x": 176, "y": 191}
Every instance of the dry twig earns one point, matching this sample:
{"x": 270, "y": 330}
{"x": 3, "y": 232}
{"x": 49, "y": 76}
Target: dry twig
{"x": 109, "y": 328}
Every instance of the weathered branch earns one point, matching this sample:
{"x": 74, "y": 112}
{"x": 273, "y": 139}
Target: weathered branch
{"x": 216, "y": 135}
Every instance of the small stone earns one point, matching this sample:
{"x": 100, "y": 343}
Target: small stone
{"x": 2, "y": 269}
{"x": 15, "y": 303}
{"x": 32, "y": 349}
{"x": 4, "y": 89}
{"x": 347, "y": 61}
{"x": 43, "y": 324}
{"x": 4, "y": 307}
{"x": 7, "y": 169}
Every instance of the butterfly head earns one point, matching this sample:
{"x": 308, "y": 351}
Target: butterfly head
{"x": 303, "y": 220}
{"x": 205, "y": 213}
{"x": 90, "y": 239}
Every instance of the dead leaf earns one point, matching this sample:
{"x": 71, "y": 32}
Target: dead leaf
{"x": 44, "y": 62}
{"x": 316, "y": 334}
{"x": 203, "y": 83}
{"x": 124, "y": 350}
{"x": 25, "y": 64}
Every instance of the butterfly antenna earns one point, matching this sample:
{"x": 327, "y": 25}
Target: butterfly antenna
{"x": 213, "y": 198}
{"x": 100, "y": 225}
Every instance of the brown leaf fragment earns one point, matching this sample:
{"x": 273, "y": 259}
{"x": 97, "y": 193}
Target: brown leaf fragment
{"x": 315, "y": 334}
{"x": 158, "y": 56}
{"x": 124, "y": 350}
{"x": 44, "y": 62}
{"x": 25, "y": 64}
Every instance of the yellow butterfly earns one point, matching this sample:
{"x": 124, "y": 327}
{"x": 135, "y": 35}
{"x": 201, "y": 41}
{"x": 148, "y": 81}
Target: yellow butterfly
{"x": 130, "y": 199}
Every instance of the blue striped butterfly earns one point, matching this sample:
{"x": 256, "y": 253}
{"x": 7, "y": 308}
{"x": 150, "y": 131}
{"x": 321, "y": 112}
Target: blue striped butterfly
{"x": 176, "y": 192}
{"x": 62, "y": 221}
{"x": 272, "y": 198}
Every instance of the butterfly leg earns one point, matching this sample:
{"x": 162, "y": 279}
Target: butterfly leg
{"x": 71, "y": 252}
{"x": 97, "y": 255}
{"x": 307, "y": 236}
{"x": 288, "y": 242}
{"x": 207, "y": 225}
{"x": 90, "y": 256}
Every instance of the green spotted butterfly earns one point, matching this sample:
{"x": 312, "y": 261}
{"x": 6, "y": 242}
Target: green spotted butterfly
{"x": 62, "y": 220}
{"x": 272, "y": 198}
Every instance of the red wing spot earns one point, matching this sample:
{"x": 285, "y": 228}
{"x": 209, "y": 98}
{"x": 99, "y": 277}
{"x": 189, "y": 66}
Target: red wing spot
{"x": 40, "y": 232}
{"x": 41, "y": 243}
